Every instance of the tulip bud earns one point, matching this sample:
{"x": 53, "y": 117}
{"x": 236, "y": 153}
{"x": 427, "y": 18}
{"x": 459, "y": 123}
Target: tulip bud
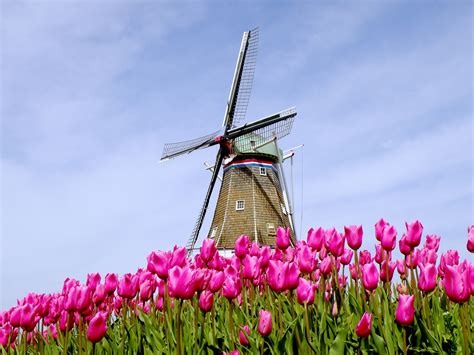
{"x": 282, "y": 238}
{"x": 265, "y": 323}
{"x": 414, "y": 231}
{"x": 97, "y": 327}
{"x": 470, "y": 239}
{"x": 389, "y": 238}
{"x": 379, "y": 226}
{"x": 432, "y": 242}
{"x": 206, "y": 300}
{"x": 353, "y": 235}
{"x": 243, "y": 336}
{"x": 405, "y": 249}
{"x": 242, "y": 246}
{"x": 208, "y": 249}
{"x": 370, "y": 276}
{"x": 405, "y": 313}
{"x": 364, "y": 326}
{"x": 316, "y": 238}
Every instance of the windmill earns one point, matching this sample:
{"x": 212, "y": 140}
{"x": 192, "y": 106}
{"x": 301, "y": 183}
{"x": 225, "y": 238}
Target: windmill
{"x": 253, "y": 197}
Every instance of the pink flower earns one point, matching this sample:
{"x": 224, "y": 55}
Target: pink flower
{"x": 93, "y": 280}
{"x": 28, "y": 317}
{"x": 127, "y": 286}
{"x": 451, "y": 257}
{"x": 380, "y": 254}
{"x": 379, "y": 227}
{"x": 208, "y": 249}
{"x": 405, "y": 313}
{"x": 97, "y": 327}
{"x": 365, "y": 257}
{"x": 99, "y": 294}
{"x": 414, "y": 231}
{"x": 346, "y": 257}
{"x": 336, "y": 243}
{"x": 159, "y": 263}
{"x": 231, "y": 288}
{"x": 401, "y": 268}
{"x": 389, "y": 238}
{"x": 265, "y": 254}
{"x": 183, "y": 282}
{"x": 326, "y": 266}
{"x": 306, "y": 260}
{"x": 411, "y": 261}
{"x": 354, "y": 272}
{"x": 427, "y": 279}
{"x": 242, "y": 245}
{"x": 353, "y": 236}
{"x": 265, "y": 322}
{"x": 370, "y": 276}
{"x": 432, "y": 242}
{"x": 383, "y": 271}
{"x": 305, "y": 291}
{"x": 255, "y": 250}
{"x": 457, "y": 284}
{"x": 365, "y": 324}
{"x": 251, "y": 267}
{"x": 147, "y": 287}
{"x": 316, "y": 238}
{"x": 206, "y": 300}
{"x": 111, "y": 282}
{"x": 282, "y": 238}
{"x": 216, "y": 280}
{"x": 405, "y": 249}
{"x": 243, "y": 336}
{"x": 470, "y": 239}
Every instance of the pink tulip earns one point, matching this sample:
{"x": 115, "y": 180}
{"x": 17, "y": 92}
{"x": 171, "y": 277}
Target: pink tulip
{"x": 208, "y": 249}
{"x": 336, "y": 243}
{"x": 364, "y": 326}
{"x": 282, "y": 238}
{"x": 251, "y": 268}
{"x": 457, "y": 284}
{"x": 323, "y": 253}
{"x": 379, "y": 227}
{"x": 28, "y": 317}
{"x": 99, "y": 294}
{"x": 242, "y": 245}
{"x": 97, "y": 327}
{"x": 405, "y": 249}
{"x": 289, "y": 254}
{"x": 147, "y": 288}
{"x": 380, "y": 254}
{"x": 316, "y": 238}
{"x": 401, "y": 268}
{"x": 470, "y": 239}
{"x": 411, "y": 261}
{"x": 346, "y": 257}
{"x": 111, "y": 282}
{"x": 127, "y": 286}
{"x": 216, "y": 281}
{"x": 206, "y": 300}
{"x": 432, "y": 242}
{"x": 183, "y": 282}
{"x": 265, "y": 322}
{"x": 231, "y": 288}
{"x": 427, "y": 278}
{"x": 353, "y": 235}
{"x": 414, "y": 231}
{"x": 243, "y": 332}
{"x": 84, "y": 298}
{"x": 405, "y": 313}
{"x": 383, "y": 271}
{"x": 389, "y": 238}
{"x": 254, "y": 250}
{"x": 354, "y": 272}
{"x": 326, "y": 266}
{"x": 451, "y": 257}
{"x": 265, "y": 254}
{"x": 93, "y": 280}
{"x": 305, "y": 291}
{"x": 306, "y": 260}
{"x": 370, "y": 276}
{"x": 365, "y": 257}
{"x": 159, "y": 263}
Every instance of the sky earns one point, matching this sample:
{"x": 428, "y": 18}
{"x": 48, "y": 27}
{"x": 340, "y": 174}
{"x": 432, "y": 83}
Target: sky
{"x": 90, "y": 92}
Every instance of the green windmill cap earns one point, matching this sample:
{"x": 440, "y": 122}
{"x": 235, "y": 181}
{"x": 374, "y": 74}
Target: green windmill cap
{"x": 246, "y": 143}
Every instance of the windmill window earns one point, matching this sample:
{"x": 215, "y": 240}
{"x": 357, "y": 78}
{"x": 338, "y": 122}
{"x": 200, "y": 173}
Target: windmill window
{"x": 239, "y": 205}
{"x": 263, "y": 171}
{"x": 271, "y": 229}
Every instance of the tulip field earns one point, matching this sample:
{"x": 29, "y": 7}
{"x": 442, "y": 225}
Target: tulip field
{"x": 323, "y": 295}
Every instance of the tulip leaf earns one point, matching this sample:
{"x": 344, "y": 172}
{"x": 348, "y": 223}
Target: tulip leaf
{"x": 338, "y": 345}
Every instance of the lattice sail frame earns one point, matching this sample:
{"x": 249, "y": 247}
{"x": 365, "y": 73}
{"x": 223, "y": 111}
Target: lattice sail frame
{"x": 172, "y": 150}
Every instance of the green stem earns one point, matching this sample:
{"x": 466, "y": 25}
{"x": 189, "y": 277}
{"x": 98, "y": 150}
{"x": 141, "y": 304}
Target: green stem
{"x": 308, "y": 333}
{"x": 231, "y": 323}
{"x": 178, "y": 329}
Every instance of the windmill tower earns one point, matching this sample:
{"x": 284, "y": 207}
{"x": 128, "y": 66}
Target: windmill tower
{"x": 253, "y": 197}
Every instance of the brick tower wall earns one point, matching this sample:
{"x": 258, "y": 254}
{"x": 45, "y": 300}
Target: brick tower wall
{"x": 263, "y": 204}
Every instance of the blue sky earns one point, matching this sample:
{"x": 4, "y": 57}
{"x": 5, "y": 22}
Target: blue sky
{"x": 91, "y": 91}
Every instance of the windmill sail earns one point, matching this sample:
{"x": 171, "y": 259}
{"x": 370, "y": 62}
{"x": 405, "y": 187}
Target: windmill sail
{"x": 242, "y": 82}
{"x": 172, "y": 150}
{"x": 197, "y": 227}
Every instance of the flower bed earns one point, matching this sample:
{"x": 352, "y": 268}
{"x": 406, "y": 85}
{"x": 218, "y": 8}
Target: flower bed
{"x": 322, "y": 295}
